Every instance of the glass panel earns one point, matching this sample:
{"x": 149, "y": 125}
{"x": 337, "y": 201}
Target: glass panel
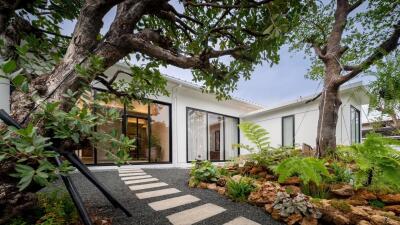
{"x": 86, "y": 154}
{"x": 160, "y": 136}
{"x": 231, "y": 138}
{"x": 109, "y": 127}
{"x": 197, "y": 135}
{"x": 288, "y": 135}
{"x": 137, "y": 128}
{"x": 354, "y": 125}
{"x": 215, "y": 137}
{"x": 138, "y": 109}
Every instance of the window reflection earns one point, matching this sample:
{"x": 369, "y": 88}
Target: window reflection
{"x": 215, "y": 135}
{"x": 160, "y": 136}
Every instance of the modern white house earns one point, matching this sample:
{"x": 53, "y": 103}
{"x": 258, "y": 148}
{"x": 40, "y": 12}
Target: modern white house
{"x": 190, "y": 124}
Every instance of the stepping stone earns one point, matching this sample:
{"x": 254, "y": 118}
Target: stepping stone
{"x": 131, "y": 171}
{"x": 241, "y": 221}
{"x": 130, "y": 174}
{"x": 147, "y": 186}
{"x": 173, "y": 202}
{"x": 140, "y": 181}
{"x": 162, "y": 192}
{"x": 135, "y": 177}
{"x": 195, "y": 214}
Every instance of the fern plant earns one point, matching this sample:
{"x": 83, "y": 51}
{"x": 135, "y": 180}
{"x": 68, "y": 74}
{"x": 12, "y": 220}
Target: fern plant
{"x": 308, "y": 169}
{"x": 378, "y": 164}
{"x": 261, "y": 152}
{"x": 204, "y": 171}
{"x": 239, "y": 190}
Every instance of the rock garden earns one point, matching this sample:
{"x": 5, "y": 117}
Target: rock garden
{"x": 357, "y": 184}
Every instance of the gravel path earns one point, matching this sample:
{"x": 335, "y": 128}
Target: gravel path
{"x": 144, "y": 214}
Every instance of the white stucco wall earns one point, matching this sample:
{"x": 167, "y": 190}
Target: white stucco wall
{"x": 4, "y": 95}
{"x": 306, "y": 121}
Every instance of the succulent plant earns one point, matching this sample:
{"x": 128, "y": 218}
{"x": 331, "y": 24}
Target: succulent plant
{"x": 288, "y": 205}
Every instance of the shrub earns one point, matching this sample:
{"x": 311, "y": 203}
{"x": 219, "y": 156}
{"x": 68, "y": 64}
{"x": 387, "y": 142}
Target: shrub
{"x": 204, "y": 171}
{"x": 376, "y": 203}
{"x": 341, "y": 174}
{"x": 378, "y": 164}
{"x": 262, "y": 153}
{"x": 321, "y": 191}
{"x": 58, "y": 208}
{"x": 239, "y": 190}
{"x": 308, "y": 169}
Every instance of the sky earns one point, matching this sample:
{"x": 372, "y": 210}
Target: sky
{"x": 268, "y": 86}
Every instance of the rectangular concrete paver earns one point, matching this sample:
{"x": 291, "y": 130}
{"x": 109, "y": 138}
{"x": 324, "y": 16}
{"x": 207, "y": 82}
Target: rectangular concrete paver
{"x": 131, "y": 171}
{"x": 162, "y": 192}
{"x": 195, "y": 214}
{"x": 147, "y": 186}
{"x": 135, "y": 177}
{"x": 241, "y": 221}
{"x": 141, "y": 181}
{"x": 173, "y": 202}
{"x": 130, "y": 174}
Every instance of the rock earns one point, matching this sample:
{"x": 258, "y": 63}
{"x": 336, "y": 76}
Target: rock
{"x": 262, "y": 174}
{"x": 203, "y": 185}
{"x": 237, "y": 178}
{"x": 363, "y": 194}
{"x": 275, "y": 214}
{"x": 269, "y": 208}
{"x": 294, "y": 218}
{"x": 255, "y": 170}
{"x": 358, "y": 214}
{"x": 221, "y": 190}
{"x": 292, "y": 181}
{"x": 291, "y": 189}
{"x": 390, "y": 198}
{"x": 356, "y": 202}
{"x": 221, "y": 182}
{"x": 309, "y": 221}
{"x": 212, "y": 186}
{"x": 344, "y": 190}
{"x": 266, "y": 194}
{"x": 270, "y": 177}
{"x": 363, "y": 222}
{"x": 380, "y": 220}
{"x": 393, "y": 208}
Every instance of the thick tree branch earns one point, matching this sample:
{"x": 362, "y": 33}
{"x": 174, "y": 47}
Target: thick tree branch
{"x": 355, "y": 5}
{"x": 339, "y": 25}
{"x": 224, "y": 6}
{"x": 383, "y": 49}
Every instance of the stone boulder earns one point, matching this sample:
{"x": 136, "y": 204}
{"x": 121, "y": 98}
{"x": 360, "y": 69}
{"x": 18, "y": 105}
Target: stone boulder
{"x": 393, "y": 208}
{"x": 390, "y": 199}
{"x": 292, "y": 181}
{"x": 266, "y": 194}
{"x": 221, "y": 190}
{"x": 383, "y": 220}
{"x": 363, "y": 194}
{"x": 212, "y": 186}
{"x": 342, "y": 190}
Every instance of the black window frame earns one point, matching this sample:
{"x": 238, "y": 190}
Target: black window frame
{"x": 358, "y": 113}
{"x": 124, "y": 117}
{"x": 224, "y": 146}
{"x": 293, "y": 130}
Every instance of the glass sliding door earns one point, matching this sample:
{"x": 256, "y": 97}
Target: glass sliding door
{"x": 196, "y": 135}
{"x": 215, "y": 137}
{"x": 160, "y": 135}
{"x": 138, "y": 129}
{"x": 231, "y": 137}
{"x": 211, "y": 136}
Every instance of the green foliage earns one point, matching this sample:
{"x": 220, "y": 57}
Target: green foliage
{"x": 376, "y": 203}
{"x": 58, "y": 208}
{"x": 308, "y": 169}
{"x": 321, "y": 192}
{"x": 204, "y": 171}
{"x": 262, "y": 153}
{"x": 384, "y": 92}
{"x": 378, "y": 164}
{"x": 340, "y": 173}
{"x": 239, "y": 190}
{"x": 365, "y": 29}
{"x": 33, "y": 161}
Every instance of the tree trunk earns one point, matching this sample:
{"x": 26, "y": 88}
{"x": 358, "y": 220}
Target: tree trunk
{"x": 328, "y": 109}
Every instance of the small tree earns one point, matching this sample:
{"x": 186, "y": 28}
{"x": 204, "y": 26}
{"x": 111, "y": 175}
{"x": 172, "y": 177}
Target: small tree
{"x": 347, "y": 37}
{"x": 385, "y": 90}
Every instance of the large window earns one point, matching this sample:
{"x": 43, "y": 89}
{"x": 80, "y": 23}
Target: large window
{"x": 211, "y": 136}
{"x": 149, "y": 124}
{"x": 355, "y": 125}
{"x": 288, "y": 131}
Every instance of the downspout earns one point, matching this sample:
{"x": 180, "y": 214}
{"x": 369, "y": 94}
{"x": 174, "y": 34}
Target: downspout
{"x": 175, "y": 127}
